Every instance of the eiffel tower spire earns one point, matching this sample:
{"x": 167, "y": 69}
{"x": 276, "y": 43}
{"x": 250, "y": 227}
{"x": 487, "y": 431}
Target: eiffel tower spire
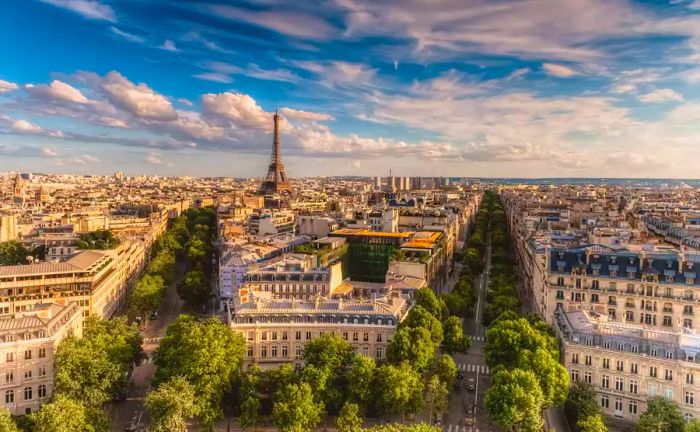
{"x": 276, "y": 179}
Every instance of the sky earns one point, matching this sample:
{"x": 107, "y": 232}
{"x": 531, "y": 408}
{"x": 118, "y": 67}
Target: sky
{"x": 475, "y": 88}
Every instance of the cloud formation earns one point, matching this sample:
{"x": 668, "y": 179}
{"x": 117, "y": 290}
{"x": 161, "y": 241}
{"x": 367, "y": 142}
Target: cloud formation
{"x": 91, "y": 9}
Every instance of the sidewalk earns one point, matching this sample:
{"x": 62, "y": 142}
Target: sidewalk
{"x": 555, "y": 420}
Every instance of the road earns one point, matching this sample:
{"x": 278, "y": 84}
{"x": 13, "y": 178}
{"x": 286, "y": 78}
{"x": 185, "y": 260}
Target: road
{"x": 473, "y": 366}
{"x": 130, "y": 412}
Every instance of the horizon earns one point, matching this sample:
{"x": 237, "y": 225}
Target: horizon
{"x": 567, "y": 89}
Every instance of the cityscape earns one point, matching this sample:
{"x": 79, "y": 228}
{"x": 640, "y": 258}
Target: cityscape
{"x": 351, "y": 216}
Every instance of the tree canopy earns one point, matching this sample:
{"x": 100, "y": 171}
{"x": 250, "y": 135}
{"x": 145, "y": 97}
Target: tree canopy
{"x": 170, "y": 405}
{"x": 64, "y": 414}
{"x": 295, "y": 409}
{"x": 99, "y": 239}
{"x": 514, "y": 400}
{"x": 661, "y": 415}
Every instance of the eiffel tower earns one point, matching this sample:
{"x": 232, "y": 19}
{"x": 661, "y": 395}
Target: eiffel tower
{"x": 276, "y": 180}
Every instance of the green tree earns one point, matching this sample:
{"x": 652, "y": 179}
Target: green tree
{"x": 208, "y": 355}
{"x": 444, "y": 368}
{"x": 661, "y": 415}
{"x": 100, "y": 239}
{"x": 581, "y": 401}
{"x": 163, "y": 265}
{"x": 94, "y": 368}
{"x": 401, "y": 389}
{"x": 514, "y": 401}
{"x": 692, "y": 426}
{"x": 250, "y": 412}
{"x": 360, "y": 380}
{"x": 328, "y": 351}
{"x": 170, "y": 405}
{"x": 507, "y": 338}
{"x": 456, "y": 303}
{"x": 454, "y": 338}
{"x": 295, "y": 409}
{"x": 167, "y": 242}
{"x": 147, "y": 295}
{"x": 67, "y": 415}
{"x": 413, "y": 345}
{"x": 195, "y": 288}
{"x": 436, "y": 396}
{"x": 400, "y": 427}
{"x": 12, "y": 253}
{"x": 419, "y": 317}
{"x": 426, "y": 298}
{"x": 349, "y": 419}
{"x": 592, "y": 423}
{"x": 196, "y": 250}
{"x": 551, "y": 375}
{"x": 6, "y": 422}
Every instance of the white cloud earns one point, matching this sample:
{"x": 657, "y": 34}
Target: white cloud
{"x": 661, "y": 95}
{"x": 6, "y": 86}
{"x": 57, "y": 90}
{"x": 91, "y": 9}
{"x": 238, "y": 108}
{"x": 138, "y": 99}
{"x": 128, "y": 36}
{"x": 185, "y": 102}
{"x": 214, "y": 76}
{"x": 23, "y": 126}
{"x": 294, "y": 114}
{"x": 559, "y": 71}
{"x": 168, "y": 45}
{"x": 48, "y": 152}
{"x": 300, "y": 25}
{"x": 154, "y": 158}
{"x": 341, "y": 74}
{"x": 89, "y": 158}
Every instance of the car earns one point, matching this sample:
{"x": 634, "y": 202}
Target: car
{"x": 153, "y": 315}
{"x": 468, "y": 421}
{"x": 471, "y": 387}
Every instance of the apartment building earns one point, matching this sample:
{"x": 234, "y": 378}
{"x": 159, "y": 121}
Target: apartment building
{"x": 92, "y": 279}
{"x": 28, "y": 342}
{"x": 276, "y": 331}
{"x": 629, "y": 363}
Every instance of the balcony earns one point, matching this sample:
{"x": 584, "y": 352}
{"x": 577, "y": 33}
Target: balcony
{"x": 668, "y": 309}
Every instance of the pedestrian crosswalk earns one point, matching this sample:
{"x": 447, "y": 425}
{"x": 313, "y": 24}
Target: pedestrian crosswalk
{"x": 482, "y": 369}
{"x": 477, "y": 338}
{"x": 459, "y": 428}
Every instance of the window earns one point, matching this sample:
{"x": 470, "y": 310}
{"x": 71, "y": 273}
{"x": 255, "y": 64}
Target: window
{"x": 9, "y": 396}
{"x": 42, "y": 352}
{"x": 619, "y": 384}
{"x": 605, "y": 381}
{"x": 28, "y": 393}
{"x": 297, "y": 336}
{"x": 574, "y": 375}
{"x": 365, "y": 351}
{"x": 9, "y": 357}
{"x": 687, "y": 310}
{"x": 689, "y": 378}
{"x": 653, "y": 390}
{"x": 689, "y": 398}
{"x": 652, "y": 371}
{"x": 560, "y": 281}
{"x": 285, "y": 351}
{"x": 560, "y": 295}
{"x": 589, "y": 359}
{"x": 308, "y": 335}
{"x": 28, "y": 374}
{"x": 345, "y": 335}
{"x": 574, "y": 358}
{"x": 263, "y": 352}
{"x": 688, "y": 323}
{"x": 633, "y": 386}
{"x": 9, "y": 377}
{"x": 249, "y": 351}
{"x": 606, "y": 344}
{"x": 274, "y": 351}
{"x": 634, "y": 368}
{"x": 264, "y": 336}
{"x": 668, "y": 321}
{"x": 380, "y": 352}
{"x": 618, "y": 404}
{"x": 595, "y": 285}
{"x": 588, "y": 377}
{"x": 354, "y": 337}
{"x": 620, "y": 365}
{"x": 284, "y": 335}
{"x": 668, "y": 393}
{"x": 629, "y": 316}
{"x": 298, "y": 351}
{"x": 606, "y": 363}
{"x": 42, "y": 391}
{"x": 379, "y": 337}
{"x": 274, "y": 335}
{"x": 669, "y": 375}
{"x": 669, "y": 354}
{"x": 595, "y": 298}
{"x": 365, "y": 337}
{"x": 633, "y": 407}
{"x": 605, "y": 401}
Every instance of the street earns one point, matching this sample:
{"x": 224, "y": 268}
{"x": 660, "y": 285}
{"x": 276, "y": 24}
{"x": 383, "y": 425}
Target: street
{"x": 131, "y": 412}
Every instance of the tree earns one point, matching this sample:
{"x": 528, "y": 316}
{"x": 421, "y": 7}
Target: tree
{"x": 163, "y": 265}
{"x": 661, "y": 415}
{"x": 692, "y": 426}
{"x": 581, "y": 401}
{"x": 250, "y": 412}
{"x": 67, "y": 415}
{"x": 551, "y": 375}
{"x": 514, "y": 401}
{"x": 436, "y": 396}
{"x": 413, "y": 345}
{"x": 168, "y": 241}
{"x": 12, "y": 253}
{"x": 196, "y": 250}
{"x": 99, "y": 239}
{"x": 295, "y": 409}
{"x": 328, "y": 351}
{"x": 401, "y": 389}
{"x": 360, "y": 379}
{"x": 349, "y": 419}
{"x": 6, "y": 422}
{"x": 445, "y": 369}
{"x": 399, "y": 427}
{"x": 94, "y": 368}
{"x": 426, "y": 298}
{"x": 195, "y": 288}
{"x": 419, "y": 317}
{"x": 207, "y": 354}
{"x": 454, "y": 339}
{"x": 147, "y": 295}
{"x": 170, "y": 405}
{"x": 592, "y": 423}
{"x": 507, "y": 338}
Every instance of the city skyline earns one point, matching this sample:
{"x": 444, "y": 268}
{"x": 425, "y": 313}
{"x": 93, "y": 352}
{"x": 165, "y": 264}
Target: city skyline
{"x": 528, "y": 89}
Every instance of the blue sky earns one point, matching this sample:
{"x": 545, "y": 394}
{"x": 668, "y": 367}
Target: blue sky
{"x": 447, "y": 87}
